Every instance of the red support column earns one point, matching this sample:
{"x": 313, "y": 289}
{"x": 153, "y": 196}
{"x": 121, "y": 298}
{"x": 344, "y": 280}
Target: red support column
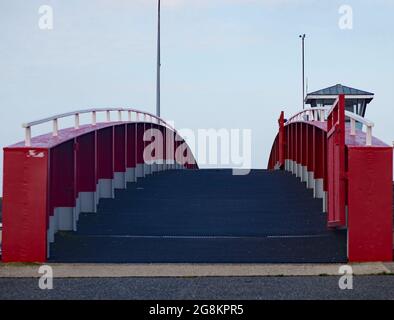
{"x": 105, "y": 162}
{"x": 147, "y": 156}
{"x": 325, "y": 171}
{"x": 370, "y": 216}
{"x": 166, "y": 143}
{"x": 318, "y": 142}
{"x": 171, "y": 147}
{"x": 281, "y": 140}
{"x": 120, "y": 156}
{"x": 155, "y": 149}
{"x": 288, "y": 148}
{"x": 302, "y": 150}
{"x": 86, "y": 170}
{"x": 177, "y": 155}
{"x": 285, "y": 151}
{"x": 304, "y": 160}
{"x": 296, "y": 148}
{"x": 296, "y": 141}
{"x": 140, "y": 169}
{"x": 293, "y": 147}
{"x": 299, "y": 149}
{"x": 311, "y": 152}
{"x": 25, "y": 204}
{"x": 275, "y": 153}
{"x": 131, "y": 151}
{"x": 62, "y": 204}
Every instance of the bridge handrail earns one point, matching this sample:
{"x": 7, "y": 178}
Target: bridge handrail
{"x": 321, "y": 113}
{"x": 76, "y": 114}
{"x": 314, "y": 114}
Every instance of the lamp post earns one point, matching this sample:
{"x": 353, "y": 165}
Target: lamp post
{"x": 303, "y": 70}
{"x": 158, "y": 61}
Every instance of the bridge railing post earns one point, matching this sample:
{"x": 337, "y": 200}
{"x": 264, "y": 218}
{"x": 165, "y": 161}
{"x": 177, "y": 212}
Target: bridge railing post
{"x": 76, "y": 125}
{"x": 281, "y": 142}
{"x": 55, "y": 131}
{"x": 28, "y": 136}
{"x": 94, "y": 118}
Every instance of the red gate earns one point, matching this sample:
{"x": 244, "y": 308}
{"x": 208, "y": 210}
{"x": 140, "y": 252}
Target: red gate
{"x": 336, "y": 164}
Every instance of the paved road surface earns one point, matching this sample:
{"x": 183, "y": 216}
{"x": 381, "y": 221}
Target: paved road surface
{"x": 365, "y": 287}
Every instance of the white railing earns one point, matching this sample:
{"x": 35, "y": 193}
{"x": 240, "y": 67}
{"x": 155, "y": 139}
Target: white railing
{"x": 147, "y": 117}
{"x": 368, "y": 124}
{"x": 321, "y": 113}
{"x": 312, "y": 114}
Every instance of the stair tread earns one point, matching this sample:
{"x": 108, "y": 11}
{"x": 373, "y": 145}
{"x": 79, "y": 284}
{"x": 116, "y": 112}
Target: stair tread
{"x": 205, "y": 216}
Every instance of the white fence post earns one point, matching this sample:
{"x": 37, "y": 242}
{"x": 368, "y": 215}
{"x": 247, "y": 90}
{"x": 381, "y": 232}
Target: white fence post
{"x": 369, "y": 135}
{"x": 28, "y": 137}
{"x": 76, "y": 121}
{"x": 352, "y": 127}
{"x": 94, "y": 119}
{"x": 55, "y": 128}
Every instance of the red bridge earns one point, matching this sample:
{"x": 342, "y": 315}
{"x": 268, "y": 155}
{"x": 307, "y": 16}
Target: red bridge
{"x": 78, "y": 195}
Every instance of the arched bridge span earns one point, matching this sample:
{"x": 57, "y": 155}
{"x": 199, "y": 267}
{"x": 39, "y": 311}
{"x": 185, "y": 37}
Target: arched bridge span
{"x": 50, "y": 179}
{"x": 349, "y": 169}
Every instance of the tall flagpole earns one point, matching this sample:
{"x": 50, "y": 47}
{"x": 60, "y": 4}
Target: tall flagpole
{"x": 303, "y": 70}
{"x": 158, "y": 63}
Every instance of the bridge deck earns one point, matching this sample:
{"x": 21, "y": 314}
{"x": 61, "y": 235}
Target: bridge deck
{"x": 206, "y": 216}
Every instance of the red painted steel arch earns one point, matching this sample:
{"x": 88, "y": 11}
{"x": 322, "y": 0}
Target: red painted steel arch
{"x": 48, "y": 183}
{"x": 350, "y": 170}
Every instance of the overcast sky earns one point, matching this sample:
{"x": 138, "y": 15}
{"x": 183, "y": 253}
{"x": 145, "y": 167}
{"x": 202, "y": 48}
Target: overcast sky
{"x": 225, "y": 63}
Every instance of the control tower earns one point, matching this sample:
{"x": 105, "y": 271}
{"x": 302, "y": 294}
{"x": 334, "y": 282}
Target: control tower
{"x": 356, "y": 100}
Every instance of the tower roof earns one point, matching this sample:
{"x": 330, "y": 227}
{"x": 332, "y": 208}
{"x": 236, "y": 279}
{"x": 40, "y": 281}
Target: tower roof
{"x": 341, "y": 89}
{"x": 330, "y": 93}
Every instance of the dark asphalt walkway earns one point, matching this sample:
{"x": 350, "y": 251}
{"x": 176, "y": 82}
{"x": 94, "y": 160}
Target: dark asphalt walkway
{"x": 206, "y": 216}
